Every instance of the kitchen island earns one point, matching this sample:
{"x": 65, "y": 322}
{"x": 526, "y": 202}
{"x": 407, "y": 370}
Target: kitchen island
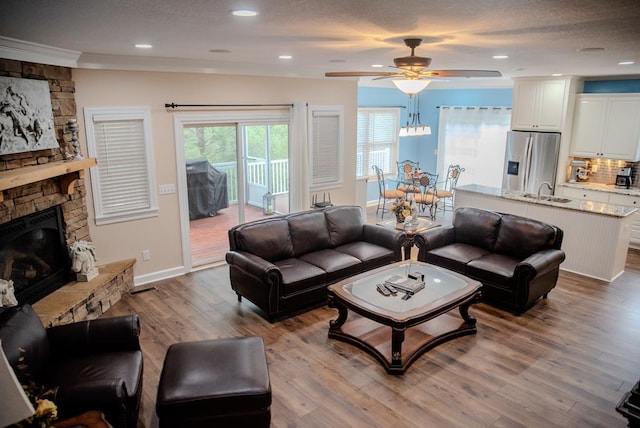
{"x": 596, "y": 234}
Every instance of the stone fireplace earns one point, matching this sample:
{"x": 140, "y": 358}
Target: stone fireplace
{"x": 39, "y": 182}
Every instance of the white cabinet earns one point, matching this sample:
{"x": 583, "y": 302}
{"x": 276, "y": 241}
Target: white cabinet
{"x": 607, "y": 126}
{"x": 539, "y": 104}
{"x": 630, "y": 201}
{"x": 589, "y": 195}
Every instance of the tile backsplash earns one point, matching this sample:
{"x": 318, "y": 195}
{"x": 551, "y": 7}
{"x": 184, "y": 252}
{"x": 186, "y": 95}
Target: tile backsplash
{"x": 607, "y": 169}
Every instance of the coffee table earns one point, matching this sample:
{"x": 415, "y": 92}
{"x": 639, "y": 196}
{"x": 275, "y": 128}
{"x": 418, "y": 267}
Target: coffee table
{"x": 395, "y": 331}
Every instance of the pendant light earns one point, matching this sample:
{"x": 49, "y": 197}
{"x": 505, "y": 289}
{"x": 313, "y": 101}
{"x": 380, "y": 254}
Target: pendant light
{"x": 414, "y": 128}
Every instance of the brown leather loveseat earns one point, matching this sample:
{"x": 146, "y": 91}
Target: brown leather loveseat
{"x": 90, "y": 365}
{"x": 517, "y": 259}
{"x": 284, "y": 264}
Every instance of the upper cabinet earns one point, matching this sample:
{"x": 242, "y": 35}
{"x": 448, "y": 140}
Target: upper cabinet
{"x": 539, "y": 104}
{"x": 607, "y": 125}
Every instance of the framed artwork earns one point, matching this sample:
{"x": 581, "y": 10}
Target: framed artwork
{"x": 26, "y": 118}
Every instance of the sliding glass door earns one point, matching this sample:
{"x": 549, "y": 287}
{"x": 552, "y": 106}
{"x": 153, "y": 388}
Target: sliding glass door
{"x": 230, "y": 168}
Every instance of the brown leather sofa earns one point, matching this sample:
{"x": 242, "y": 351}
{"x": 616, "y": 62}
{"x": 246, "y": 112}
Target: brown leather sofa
{"x": 284, "y": 264}
{"x": 90, "y": 365}
{"x": 517, "y": 259}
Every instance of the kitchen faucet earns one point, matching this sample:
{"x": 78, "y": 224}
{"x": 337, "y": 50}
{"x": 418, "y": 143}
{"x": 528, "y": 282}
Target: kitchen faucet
{"x": 542, "y": 184}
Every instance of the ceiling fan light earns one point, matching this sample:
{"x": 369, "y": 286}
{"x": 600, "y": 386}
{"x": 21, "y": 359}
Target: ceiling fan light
{"x": 411, "y": 87}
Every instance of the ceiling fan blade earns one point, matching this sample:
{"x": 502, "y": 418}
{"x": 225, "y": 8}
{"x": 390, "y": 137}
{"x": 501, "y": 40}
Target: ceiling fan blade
{"x": 359, "y": 73}
{"x": 460, "y": 73}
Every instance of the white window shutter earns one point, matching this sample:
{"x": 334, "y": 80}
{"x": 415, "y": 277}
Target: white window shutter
{"x": 123, "y": 181}
{"x": 326, "y": 132}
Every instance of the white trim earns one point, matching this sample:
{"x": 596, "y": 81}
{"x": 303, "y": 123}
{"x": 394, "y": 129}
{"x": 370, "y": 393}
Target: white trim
{"x": 33, "y": 52}
{"x": 159, "y": 275}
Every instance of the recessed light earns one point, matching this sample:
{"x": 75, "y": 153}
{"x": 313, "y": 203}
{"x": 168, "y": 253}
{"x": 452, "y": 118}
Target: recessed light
{"x": 500, "y": 56}
{"x": 244, "y": 12}
{"x": 143, "y": 46}
{"x": 285, "y": 57}
{"x": 377, "y": 65}
{"x": 556, "y": 74}
{"x": 626, "y": 63}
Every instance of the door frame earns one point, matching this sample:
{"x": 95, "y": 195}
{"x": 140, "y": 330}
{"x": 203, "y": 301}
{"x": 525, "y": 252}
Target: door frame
{"x": 237, "y": 118}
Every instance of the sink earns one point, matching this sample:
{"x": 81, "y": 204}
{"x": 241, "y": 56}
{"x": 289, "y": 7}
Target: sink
{"x": 546, "y": 198}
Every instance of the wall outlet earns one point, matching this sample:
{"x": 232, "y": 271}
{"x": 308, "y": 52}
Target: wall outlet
{"x": 166, "y": 189}
{"x": 146, "y": 255}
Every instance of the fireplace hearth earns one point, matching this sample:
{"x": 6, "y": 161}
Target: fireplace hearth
{"x": 33, "y": 254}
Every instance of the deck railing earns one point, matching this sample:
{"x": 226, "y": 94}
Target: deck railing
{"x": 256, "y": 174}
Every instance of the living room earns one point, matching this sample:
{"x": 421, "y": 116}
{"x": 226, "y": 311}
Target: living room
{"x": 557, "y": 347}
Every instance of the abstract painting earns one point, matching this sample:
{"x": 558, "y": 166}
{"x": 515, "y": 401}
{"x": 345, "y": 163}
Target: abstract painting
{"x": 26, "y": 118}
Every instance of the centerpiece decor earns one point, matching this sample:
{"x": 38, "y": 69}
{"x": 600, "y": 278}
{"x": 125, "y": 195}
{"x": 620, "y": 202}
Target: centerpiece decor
{"x": 401, "y": 207}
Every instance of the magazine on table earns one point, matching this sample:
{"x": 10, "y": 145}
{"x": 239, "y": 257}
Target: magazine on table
{"x": 405, "y": 283}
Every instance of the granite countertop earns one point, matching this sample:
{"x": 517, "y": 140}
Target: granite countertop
{"x": 602, "y": 187}
{"x": 576, "y": 204}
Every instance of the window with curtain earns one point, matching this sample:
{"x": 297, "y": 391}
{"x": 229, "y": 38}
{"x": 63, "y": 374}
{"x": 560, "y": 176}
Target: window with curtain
{"x": 325, "y": 131}
{"x": 123, "y": 183}
{"x": 377, "y": 140}
{"x": 474, "y": 138}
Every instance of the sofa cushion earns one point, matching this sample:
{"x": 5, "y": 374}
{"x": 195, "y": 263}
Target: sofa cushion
{"x": 267, "y": 239}
{"x": 496, "y": 269}
{"x": 345, "y": 224}
{"x": 330, "y": 260}
{"x": 455, "y": 256}
{"x": 371, "y": 255}
{"x": 521, "y": 237}
{"x": 299, "y": 275}
{"x": 478, "y": 228}
{"x": 308, "y": 232}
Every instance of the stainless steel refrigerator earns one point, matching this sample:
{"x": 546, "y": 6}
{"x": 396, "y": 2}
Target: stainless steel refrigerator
{"x": 531, "y": 158}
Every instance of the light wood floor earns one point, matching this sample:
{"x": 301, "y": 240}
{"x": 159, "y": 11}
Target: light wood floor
{"x": 565, "y": 363}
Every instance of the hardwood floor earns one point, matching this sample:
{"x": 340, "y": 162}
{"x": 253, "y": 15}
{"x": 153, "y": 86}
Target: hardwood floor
{"x": 565, "y": 363}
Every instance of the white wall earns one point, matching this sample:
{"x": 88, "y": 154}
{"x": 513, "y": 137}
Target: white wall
{"x": 161, "y": 235}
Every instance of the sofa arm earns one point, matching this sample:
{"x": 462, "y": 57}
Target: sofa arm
{"x": 252, "y": 265}
{"x": 434, "y": 238}
{"x": 385, "y": 237}
{"x": 93, "y": 336}
{"x": 108, "y": 396}
{"x": 541, "y": 262}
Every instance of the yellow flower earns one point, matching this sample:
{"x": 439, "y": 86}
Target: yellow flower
{"x": 46, "y": 408}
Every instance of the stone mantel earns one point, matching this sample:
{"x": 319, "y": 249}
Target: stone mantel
{"x": 68, "y": 171}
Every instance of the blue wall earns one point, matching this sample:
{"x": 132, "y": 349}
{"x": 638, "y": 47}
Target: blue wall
{"x": 423, "y": 148}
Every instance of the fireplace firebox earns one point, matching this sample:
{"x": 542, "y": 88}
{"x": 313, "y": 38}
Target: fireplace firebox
{"x": 34, "y": 255}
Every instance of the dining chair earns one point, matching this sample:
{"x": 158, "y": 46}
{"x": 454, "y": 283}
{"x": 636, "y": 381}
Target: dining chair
{"x": 450, "y": 182}
{"x": 385, "y": 194}
{"x": 405, "y": 181}
{"x": 427, "y": 198}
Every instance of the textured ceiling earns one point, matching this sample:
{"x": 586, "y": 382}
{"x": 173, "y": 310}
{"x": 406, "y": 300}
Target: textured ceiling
{"x": 540, "y": 36}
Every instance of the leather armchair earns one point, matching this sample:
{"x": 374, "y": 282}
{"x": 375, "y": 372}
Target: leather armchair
{"x": 90, "y": 365}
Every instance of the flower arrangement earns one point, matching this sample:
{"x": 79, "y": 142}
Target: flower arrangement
{"x": 41, "y": 399}
{"x": 401, "y": 208}
{"x": 46, "y": 410}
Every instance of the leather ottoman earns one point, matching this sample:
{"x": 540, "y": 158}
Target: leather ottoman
{"x": 220, "y": 382}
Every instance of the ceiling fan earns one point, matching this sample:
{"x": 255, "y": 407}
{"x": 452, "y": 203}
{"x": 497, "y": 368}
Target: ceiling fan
{"x": 413, "y": 68}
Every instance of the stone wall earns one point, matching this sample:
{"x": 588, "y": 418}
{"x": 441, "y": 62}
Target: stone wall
{"x": 44, "y": 194}
{"x": 77, "y": 300}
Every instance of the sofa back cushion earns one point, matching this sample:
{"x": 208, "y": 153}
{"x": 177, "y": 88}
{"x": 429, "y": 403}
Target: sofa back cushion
{"x": 476, "y": 227}
{"x": 521, "y": 237}
{"x": 268, "y": 239}
{"x": 308, "y": 231}
{"x": 345, "y": 224}
{"x": 24, "y": 341}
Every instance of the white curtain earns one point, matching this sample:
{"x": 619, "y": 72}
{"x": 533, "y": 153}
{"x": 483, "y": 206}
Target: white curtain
{"x": 474, "y": 138}
{"x": 299, "y": 164}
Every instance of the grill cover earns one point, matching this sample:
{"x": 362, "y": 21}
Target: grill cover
{"x": 207, "y": 189}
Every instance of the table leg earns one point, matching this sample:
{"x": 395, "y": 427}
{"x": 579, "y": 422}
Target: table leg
{"x": 408, "y": 245}
{"x": 397, "y": 337}
{"x": 464, "y": 309}
{"x": 342, "y": 313}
